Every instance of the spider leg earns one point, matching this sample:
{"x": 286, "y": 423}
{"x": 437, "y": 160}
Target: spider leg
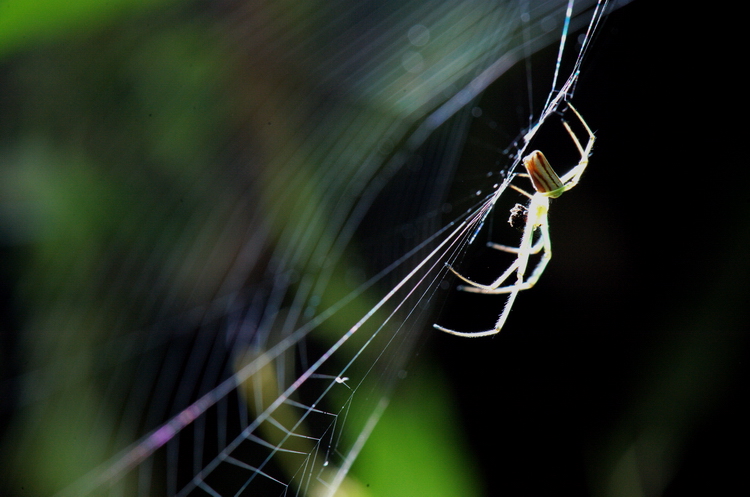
{"x": 497, "y": 291}
{"x": 537, "y": 218}
{"x": 543, "y": 243}
{"x": 546, "y": 244}
{"x": 498, "y": 325}
{"x": 572, "y": 177}
{"x": 521, "y": 190}
{"x": 514, "y": 250}
{"x": 537, "y": 207}
{"x": 525, "y": 243}
{"x": 486, "y": 288}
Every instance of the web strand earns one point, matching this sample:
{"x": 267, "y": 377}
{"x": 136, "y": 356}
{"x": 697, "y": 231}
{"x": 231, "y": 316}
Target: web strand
{"x": 293, "y": 352}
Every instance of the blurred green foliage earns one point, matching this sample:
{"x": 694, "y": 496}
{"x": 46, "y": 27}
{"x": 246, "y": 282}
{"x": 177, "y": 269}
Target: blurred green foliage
{"x": 27, "y": 22}
{"x": 128, "y": 189}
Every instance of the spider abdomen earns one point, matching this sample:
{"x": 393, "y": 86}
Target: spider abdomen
{"x": 543, "y": 177}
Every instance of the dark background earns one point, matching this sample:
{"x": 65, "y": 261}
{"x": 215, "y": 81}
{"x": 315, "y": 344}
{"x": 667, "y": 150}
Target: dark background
{"x": 631, "y": 351}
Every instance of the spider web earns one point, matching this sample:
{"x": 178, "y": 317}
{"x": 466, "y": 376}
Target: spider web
{"x": 252, "y": 354}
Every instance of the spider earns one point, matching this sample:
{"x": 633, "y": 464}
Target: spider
{"x": 547, "y": 185}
